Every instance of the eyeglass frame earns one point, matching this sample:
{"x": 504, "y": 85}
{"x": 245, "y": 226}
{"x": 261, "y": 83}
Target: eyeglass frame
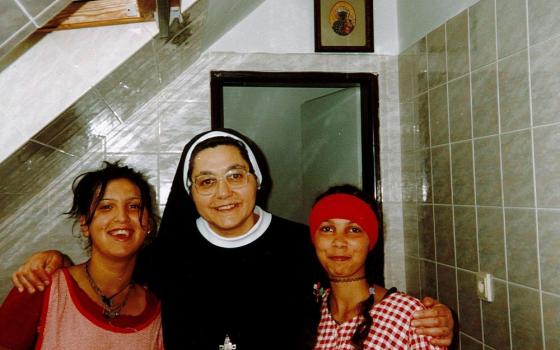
{"x": 222, "y": 177}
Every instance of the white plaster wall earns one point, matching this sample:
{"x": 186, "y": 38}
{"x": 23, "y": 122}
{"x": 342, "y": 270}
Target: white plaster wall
{"x": 286, "y": 26}
{"x": 416, "y": 18}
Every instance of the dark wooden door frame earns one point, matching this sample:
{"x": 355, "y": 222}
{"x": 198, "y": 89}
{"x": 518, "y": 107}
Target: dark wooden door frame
{"x": 367, "y": 82}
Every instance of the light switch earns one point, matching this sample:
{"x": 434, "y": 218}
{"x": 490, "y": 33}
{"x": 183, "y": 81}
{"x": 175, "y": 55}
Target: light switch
{"x": 484, "y": 286}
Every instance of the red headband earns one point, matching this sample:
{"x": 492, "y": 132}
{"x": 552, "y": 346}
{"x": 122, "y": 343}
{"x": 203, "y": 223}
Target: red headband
{"x": 344, "y": 206}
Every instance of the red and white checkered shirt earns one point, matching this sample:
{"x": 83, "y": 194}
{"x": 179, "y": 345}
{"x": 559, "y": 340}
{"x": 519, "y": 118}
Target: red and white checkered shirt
{"x": 390, "y": 328}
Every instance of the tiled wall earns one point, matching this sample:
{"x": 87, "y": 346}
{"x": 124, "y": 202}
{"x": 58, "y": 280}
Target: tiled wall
{"x": 480, "y": 119}
{"x": 20, "y": 18}
{"x": 119, "y": 118}
{"x": 57, "y": 68}
{"x": 144, "y": 113}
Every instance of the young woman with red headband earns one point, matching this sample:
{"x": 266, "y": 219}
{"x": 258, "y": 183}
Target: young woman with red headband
{"x": 355, "y": 314}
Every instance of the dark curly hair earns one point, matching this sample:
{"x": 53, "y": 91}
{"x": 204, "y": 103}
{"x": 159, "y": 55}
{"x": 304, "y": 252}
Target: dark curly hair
{"x": 89, "y": 188}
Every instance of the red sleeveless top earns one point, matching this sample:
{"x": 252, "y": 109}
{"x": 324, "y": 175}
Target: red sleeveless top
{"x": 66, "y": 324}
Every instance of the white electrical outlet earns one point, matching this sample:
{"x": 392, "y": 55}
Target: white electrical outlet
{"x": 484, "y": 286}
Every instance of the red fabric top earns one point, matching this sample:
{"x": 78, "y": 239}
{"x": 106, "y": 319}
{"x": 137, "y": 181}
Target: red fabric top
{"x": 21, "y": 312}
{"x": 390, "y": 328}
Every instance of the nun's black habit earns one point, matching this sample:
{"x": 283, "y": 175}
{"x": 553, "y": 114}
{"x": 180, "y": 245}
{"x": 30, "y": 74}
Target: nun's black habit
{"x": 260, "y": 294}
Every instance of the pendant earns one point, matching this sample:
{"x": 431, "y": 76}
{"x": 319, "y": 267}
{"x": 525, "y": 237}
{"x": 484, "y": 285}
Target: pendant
{"x": 110, "y": 314}
{"x": 107, "y": 301}
{"x": 227, "y": 345}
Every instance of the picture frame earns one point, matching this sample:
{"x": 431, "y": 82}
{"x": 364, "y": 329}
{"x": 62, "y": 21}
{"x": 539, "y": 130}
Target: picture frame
{"x": 343, "y": 25}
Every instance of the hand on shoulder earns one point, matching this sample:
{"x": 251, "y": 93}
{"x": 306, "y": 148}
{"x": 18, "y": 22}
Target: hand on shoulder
{"x": 35, "y": 273}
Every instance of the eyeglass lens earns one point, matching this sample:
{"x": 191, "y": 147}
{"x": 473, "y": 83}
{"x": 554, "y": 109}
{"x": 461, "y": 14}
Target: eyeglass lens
{"x": 208, "y": 184}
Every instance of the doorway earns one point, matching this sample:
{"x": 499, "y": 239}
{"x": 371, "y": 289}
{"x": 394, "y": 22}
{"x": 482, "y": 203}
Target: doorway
{"x": 315, "y": 130}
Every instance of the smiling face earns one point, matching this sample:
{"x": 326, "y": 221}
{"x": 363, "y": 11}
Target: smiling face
{"x": 229, "y": 211}
{"x": 118, "y": 226}
{"x": 342, "y": 248}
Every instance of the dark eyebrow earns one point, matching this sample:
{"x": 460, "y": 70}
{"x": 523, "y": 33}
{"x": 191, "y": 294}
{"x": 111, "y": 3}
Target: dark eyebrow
{"x": 237, "y": 166}
{"x": 113, "y": 199}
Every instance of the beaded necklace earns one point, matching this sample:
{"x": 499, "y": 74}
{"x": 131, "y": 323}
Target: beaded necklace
{"x": 347, "y": 279}
{"x": 110, "y": 311}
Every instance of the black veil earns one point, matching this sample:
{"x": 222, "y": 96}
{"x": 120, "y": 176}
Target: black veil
{"x": 178, "y": 223}
{"x": 180, "y": 212}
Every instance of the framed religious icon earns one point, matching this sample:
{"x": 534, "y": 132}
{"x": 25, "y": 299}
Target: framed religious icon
{"x": 343, "y": 25}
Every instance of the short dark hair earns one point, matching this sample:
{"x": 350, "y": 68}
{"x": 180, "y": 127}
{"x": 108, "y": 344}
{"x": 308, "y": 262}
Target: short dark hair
{"x": 353, "y": 191}
{"x": 89, "y": 188}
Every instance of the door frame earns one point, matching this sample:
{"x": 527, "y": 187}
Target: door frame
{"x": 368, "y": 83}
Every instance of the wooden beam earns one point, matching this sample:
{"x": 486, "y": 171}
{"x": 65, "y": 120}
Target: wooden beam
{"x": 80, "y": 14}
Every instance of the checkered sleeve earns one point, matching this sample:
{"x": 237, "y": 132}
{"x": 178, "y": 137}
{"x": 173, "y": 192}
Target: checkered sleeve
{"x": 391, "y": 325}
{"x": 333, "y": 336}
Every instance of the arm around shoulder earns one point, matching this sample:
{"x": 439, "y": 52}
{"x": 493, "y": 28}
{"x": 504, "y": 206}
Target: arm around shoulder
{"x": 35, "y": 273}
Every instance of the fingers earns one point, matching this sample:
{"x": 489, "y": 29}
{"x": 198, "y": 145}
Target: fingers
{"x": 428, "y": 302}
{"x": 438, "y": 332}
{"x": 35, "y": 273}
{"x": 21, "y": 283}
{"x": 441, "y": 336}
{"x": 441, "y": 341}
{"x": 40, "y": 276}
{"x": 37, "y": 277}
{"x": 17, "y": 282}
{"x": 437, "y": 322}
{"x": 430, "y": 322}
{"x": 431, "y": 313}
{"x": 53, "y": 263}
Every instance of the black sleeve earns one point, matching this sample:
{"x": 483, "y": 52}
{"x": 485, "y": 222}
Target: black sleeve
{"x": 147, "y": 266}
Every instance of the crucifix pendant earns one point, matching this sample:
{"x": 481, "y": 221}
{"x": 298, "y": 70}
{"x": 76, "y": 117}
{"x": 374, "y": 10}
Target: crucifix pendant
{"x": 228, "y": 344}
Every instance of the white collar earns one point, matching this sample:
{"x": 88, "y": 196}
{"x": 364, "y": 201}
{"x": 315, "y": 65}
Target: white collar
{"x": 254, "y": 233}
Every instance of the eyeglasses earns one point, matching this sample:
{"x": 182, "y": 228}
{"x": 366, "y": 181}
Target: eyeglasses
{"x": 207, "y": 184}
